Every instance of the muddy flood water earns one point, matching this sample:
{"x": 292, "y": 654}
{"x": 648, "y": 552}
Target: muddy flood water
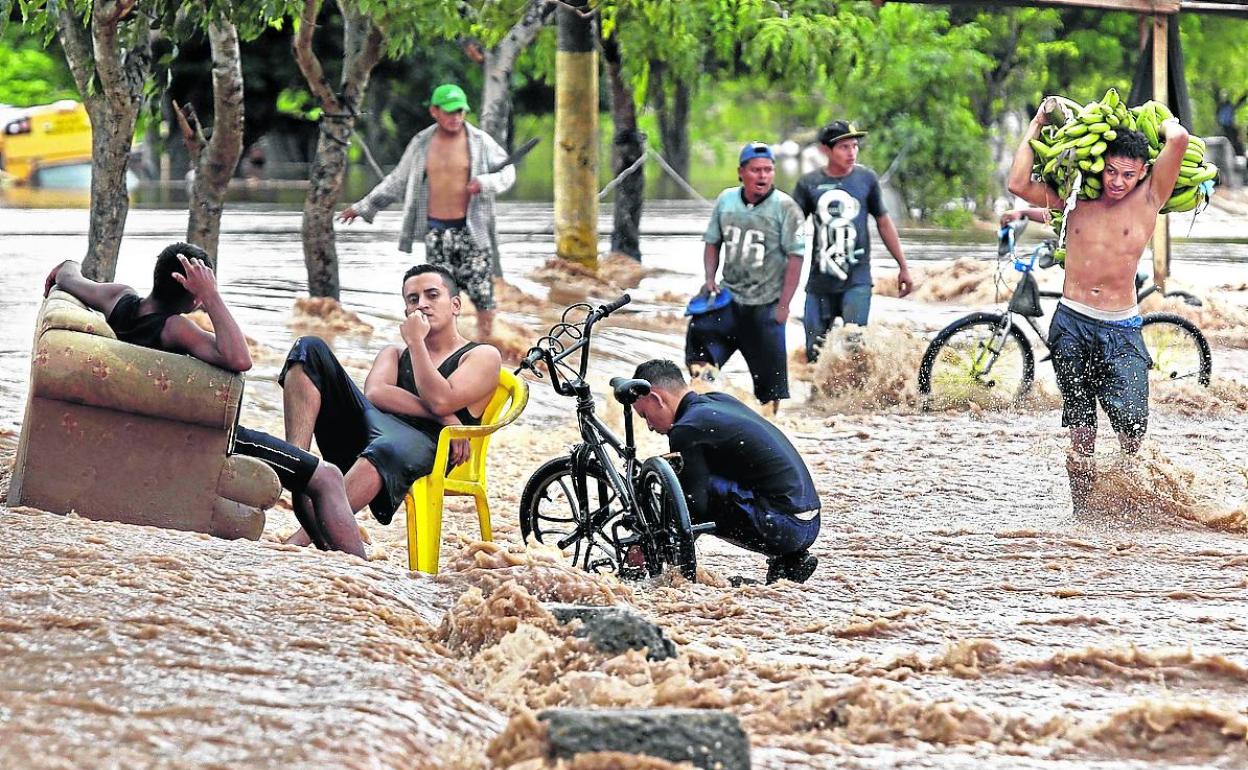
{"x": 960, "y": 617}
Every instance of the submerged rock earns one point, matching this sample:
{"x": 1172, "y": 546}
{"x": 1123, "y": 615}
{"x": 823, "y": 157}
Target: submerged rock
{"x": 708, "y": 739}
{"x": 616, "y": 630}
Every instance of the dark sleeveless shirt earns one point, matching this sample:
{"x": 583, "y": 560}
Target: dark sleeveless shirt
{"x": 407, "y": 381}
{"x": 136, "y": 329}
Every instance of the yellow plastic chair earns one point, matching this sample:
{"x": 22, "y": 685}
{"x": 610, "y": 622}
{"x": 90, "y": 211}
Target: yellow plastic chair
{"x": 424, "y": 499}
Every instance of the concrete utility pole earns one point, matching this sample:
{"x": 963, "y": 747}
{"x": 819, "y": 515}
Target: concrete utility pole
{"x": 1161, "y": 89}
{"x": 576, "y": 135}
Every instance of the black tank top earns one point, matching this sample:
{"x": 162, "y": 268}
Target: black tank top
{"x": 407, "y": 381}
{"x": 136, "y": 329}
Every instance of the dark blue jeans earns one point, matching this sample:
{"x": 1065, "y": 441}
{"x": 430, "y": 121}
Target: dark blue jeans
{"x": 852, "y": 306}
{"x": 713, "y": 337}
{"x": 746, "y": 520}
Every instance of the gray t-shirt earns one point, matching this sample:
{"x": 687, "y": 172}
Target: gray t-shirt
{"x": 841, "y": 257}
{"x": 757, "y": 240}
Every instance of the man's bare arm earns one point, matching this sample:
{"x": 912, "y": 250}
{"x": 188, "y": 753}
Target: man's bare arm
{"x": 710, "y": 260}
{"x": 1019, "y": 181}
{"x": 382, "y": 389}
{"x": 68, "y": 277}
{"x": 1166, "y": 167}
{"x": 225, "y": 346}
{"x": 473, "y": 380}
{"x": 182, "y": 335}
{"x": 792, "y": 274}
{"x": 892, "y": 241}
{"x": 1037, "y": 214}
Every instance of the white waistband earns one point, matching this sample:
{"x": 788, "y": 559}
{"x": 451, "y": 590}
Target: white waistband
{"x": 1097, "y": 313}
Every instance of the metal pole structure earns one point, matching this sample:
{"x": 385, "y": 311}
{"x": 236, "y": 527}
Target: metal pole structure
{"x": 1161, "y": 89}
{"x": 576, "y": 135}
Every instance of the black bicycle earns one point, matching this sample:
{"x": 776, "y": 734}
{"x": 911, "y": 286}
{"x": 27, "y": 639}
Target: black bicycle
{"x": 986, "y": 358}
{"x": 612, "y": 512}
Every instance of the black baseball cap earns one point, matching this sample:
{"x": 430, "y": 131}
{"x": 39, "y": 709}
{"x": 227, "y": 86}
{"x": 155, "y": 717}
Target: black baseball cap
{"x": 838, "y": 130}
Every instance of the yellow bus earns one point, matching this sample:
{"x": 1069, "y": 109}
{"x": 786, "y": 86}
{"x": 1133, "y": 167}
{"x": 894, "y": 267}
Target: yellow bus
{"x": 48, "y": 146}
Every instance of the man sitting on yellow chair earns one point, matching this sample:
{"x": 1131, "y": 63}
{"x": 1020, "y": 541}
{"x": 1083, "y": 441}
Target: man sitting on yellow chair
{"x": 385, "y": 437}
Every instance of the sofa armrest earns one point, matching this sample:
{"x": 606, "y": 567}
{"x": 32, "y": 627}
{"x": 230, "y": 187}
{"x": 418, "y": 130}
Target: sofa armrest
{"x": 62, "y": 310}
{"x": 99, "y": 371}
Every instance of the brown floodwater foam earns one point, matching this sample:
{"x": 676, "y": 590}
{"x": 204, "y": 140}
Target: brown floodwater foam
{"x": 326, "y": 317}
{"x": 866, "y": 368}
{"x": 964, "y": 281}
{"x": 1151, "y": 488}
{"x": 876, "y": 369}
{"x": 127, "y": 646}
{"x": 960, "y": 615}
{"x": 1222, "y": 321}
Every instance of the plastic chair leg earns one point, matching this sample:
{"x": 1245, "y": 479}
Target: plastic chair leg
{"x": 483, "y": 515}
{"x": 424, "y": 526}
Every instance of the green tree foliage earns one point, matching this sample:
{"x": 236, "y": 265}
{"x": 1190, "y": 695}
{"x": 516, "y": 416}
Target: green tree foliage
{"x": 913, "y": 85}
{"x": 29, "y": 74}
{"x": 1021, "y": 42}
{"x": 1215, "y": 49}
{"x": 1104, "y": 52}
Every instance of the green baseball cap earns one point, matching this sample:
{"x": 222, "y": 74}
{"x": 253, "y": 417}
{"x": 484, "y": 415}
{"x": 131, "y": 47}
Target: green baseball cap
{"x": 449, "y": 97}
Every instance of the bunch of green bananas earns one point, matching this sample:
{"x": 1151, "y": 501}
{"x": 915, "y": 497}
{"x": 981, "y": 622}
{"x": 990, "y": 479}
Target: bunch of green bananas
{"x": 1077, "y": 136}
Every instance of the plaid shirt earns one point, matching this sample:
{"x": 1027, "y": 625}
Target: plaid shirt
{"x": 408, "y": 179}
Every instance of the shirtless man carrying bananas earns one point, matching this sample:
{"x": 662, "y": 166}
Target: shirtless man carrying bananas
{"x": 1098, "y": 350}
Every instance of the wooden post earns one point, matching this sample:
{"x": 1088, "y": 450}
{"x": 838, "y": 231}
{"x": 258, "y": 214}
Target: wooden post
{"x": 576, "y": 136}
{"x": 1161, "y": 88}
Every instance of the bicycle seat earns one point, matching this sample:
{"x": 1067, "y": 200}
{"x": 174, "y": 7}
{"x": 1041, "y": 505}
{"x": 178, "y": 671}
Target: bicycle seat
{"x": 627, "y": 391}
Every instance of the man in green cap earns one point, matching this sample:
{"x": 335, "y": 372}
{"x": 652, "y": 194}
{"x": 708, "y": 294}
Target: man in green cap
{"x": 448, "y": 191}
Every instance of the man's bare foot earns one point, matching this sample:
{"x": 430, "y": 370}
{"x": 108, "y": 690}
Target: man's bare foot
{"x": 771, "y": 409}
{"x": 299, "y": 538}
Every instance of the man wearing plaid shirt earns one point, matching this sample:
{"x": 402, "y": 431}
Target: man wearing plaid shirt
{"x": 448, "y": 198}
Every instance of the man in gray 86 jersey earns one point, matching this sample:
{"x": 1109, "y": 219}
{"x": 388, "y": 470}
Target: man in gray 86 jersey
{"x": 756, "y": 233}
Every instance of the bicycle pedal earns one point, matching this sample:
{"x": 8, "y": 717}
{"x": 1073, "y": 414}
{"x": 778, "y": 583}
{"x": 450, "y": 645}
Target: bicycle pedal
{"x": 634, "y": 556}
{"x": 599, "y": 565}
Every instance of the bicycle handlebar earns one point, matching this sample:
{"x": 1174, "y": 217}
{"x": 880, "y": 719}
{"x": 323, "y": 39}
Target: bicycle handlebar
{"x": 542, "y": 352}
{"x": 611, "y": 307}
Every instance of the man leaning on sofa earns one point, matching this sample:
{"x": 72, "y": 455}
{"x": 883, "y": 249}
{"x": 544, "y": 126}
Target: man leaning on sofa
{"x": 101, "y": 412}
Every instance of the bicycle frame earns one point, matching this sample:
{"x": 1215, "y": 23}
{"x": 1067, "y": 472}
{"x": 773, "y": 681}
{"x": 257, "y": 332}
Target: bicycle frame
{"x": 1041, "y": 254}
{"x": 598, "y": 440}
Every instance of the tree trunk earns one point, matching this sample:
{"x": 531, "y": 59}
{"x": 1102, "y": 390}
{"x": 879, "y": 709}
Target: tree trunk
{"x": 361, "y": 52}
{"x": 627, "y": 149}
{"x": 122, "y": 69}
{"x": 674, "y": 128}
{"x": 499, "y": 62}
{"x": 216, "y": 163}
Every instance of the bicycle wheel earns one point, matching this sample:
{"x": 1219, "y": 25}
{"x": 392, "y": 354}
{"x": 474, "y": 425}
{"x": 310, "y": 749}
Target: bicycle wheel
{"x": 977, "y": 359}
{"x": 661, "y": 502}
{"x": 1179, "y": 351}
{"x": 551, "y": 513}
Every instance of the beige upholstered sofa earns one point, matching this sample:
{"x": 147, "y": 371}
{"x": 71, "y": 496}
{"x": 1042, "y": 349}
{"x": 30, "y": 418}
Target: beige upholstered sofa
{"x": 123, "y": 433}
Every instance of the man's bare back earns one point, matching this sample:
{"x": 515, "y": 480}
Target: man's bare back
{"x": 447, "y": 167}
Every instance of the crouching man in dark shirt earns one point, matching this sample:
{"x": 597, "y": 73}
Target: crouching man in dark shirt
{"x": 740, "y": 471}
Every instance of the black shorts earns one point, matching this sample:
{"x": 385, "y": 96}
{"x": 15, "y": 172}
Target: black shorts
{"x": 1100, "y": 361}
{"x": 294, "y": 466}
{"x": 713, "y": 337}
{"x": 349, "y": 427}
